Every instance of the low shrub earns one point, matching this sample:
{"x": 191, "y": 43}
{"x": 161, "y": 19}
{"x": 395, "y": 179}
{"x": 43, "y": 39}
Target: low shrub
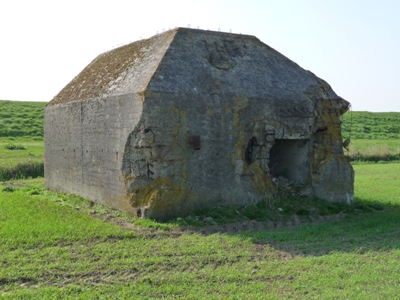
{"x": 15, "y": 147}
{"x": 8, "y": 189}
{"x": 22, "y": 171}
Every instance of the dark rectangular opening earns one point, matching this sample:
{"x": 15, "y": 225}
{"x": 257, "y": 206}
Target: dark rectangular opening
{"x": 289, "y": 159}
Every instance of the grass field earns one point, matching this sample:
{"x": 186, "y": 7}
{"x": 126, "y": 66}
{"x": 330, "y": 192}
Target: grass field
{"x": 374, "y": 136}
{"x": 21, "y": 139}
{"x": 61, "y": 246}
{"x": 371, "y": 125}
{"x": 22, "y": 158}
{"x": 21, "y": 119}
{"x": 33, "y": 151}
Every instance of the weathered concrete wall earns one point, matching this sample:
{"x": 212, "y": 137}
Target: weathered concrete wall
{"x": 241, "y": 99}
{"x": 84, "y": 146}
{"x": 166, "y": 176}
{"x": 332, "y": 174}
{"x": 259, "y": 116}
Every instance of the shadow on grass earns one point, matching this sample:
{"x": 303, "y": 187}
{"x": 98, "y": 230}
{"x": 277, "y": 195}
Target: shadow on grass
{"x": 373, "y": 226}
{"x": 320, "y": 229}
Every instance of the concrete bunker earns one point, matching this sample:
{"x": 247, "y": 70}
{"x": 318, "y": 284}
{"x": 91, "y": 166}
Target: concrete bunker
{"x": 192, "y": 118}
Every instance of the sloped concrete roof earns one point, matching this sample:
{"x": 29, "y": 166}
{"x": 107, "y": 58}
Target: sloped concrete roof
{"x": 208, "y": 62}
{"x": 119, "y": 71}
{"x": 195, "y": 61}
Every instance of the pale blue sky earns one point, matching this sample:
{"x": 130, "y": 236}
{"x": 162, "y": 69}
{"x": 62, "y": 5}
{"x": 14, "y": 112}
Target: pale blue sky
{"x": 354, "y": 45}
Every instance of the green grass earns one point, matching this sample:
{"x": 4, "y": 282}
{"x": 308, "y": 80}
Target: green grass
{"x": 374, "y": 150}
{"x": 374, "y": 136}
{"x": 24, "y": 210}
{"x": 61, "y": 246}
{"x": 21, "y": 119}
{"x": 34, "y": 151}
{"x": 371, "y": 125}
{"x": 376, "y": 187}
{"x": 18, "y": 163}
{"x": 21, "y": 139}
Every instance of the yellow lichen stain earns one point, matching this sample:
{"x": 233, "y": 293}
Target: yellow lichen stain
{"x": 236, "y": 121}
{"x": 175, "y": 110}
{"x": 239, "y": 154}
{"x": 162, "y": 194}
{"x": 260, "y": 180}
{"x": 328, "y": 144}
{"x": 179, "y": 118}
{"x": 240, "y": 103}
{"x": 240, "y": 142}
{"x": 227, "y": 108}
{"x": 122, "y": 202}
{"x": 141, "y": 96}
{"x": 210, "y": 112}
{"x": 129, "y": 177}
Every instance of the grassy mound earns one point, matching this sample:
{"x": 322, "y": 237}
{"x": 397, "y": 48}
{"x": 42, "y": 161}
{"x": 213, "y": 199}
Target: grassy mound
{"x": 374, "y": 136}
{"x": 21, "y": 119}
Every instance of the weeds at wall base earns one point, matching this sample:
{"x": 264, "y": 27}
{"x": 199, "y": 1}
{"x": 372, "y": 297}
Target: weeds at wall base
{"x": 280, "y": 209}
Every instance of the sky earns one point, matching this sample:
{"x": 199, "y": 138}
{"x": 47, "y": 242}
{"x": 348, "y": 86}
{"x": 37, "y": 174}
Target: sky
{"x": 354, "y": 45}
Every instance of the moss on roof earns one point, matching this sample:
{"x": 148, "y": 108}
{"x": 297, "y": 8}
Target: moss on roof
{"x": 195, "y": 61}
{"x": 103, "y": 75}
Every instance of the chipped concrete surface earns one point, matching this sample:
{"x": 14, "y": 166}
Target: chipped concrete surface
{"x": 122, "y": 131}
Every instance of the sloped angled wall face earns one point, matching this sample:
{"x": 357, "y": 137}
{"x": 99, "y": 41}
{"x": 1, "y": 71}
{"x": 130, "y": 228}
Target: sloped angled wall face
{"x": 332, "y": 175}
{"x": 84, "y": 146}
{"x": 247, "y": 103}
{"x": 247, "y": 149}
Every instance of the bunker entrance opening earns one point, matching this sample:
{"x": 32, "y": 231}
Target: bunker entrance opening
{"x": 289, "y": 159}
